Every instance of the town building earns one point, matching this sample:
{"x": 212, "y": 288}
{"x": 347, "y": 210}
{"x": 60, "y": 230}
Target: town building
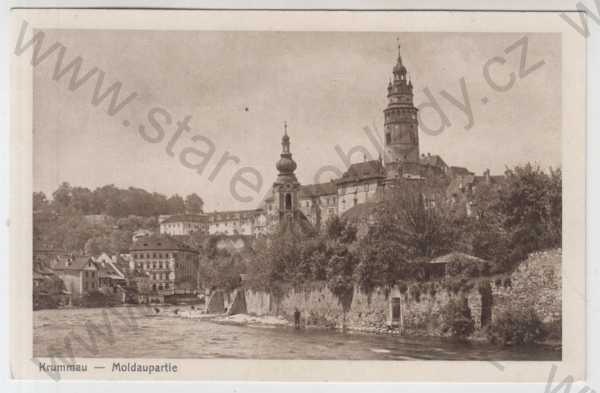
{"x": 79, "y": 274}
{"x": 110, "y": 277}
{"x": 172, "y": 265}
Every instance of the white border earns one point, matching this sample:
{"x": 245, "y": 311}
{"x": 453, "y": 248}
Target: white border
{"x": 592, "y": 273}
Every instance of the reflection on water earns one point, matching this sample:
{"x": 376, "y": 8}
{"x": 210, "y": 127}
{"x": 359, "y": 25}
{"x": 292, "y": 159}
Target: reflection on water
{"x": 165, "y": 336}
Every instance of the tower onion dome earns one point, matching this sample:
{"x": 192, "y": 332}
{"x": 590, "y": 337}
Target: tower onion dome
{"x": 399, "y": 67}
{"x": 286, "y": 165}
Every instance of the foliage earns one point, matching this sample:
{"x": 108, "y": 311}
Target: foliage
{"x": 412, "y": 224}
{"x": 340, "y": 269}
{"x": 521, "y": 214}
{"x": 456, "y": 319}
{"x": 516, "y": 327}
{"x": 221, "y": 271}
{"x": 417, "y": 217}
{"x": 194, "y": 204}
{"x": 116, "y": 202}
{"x": 339, "y": 230}
{"x": 78, "y": 220}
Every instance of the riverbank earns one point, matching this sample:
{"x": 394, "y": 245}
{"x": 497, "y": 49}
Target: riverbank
{"x": 170, "y": 336}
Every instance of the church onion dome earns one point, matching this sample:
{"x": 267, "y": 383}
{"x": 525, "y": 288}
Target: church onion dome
{"x": 286, "y": 164}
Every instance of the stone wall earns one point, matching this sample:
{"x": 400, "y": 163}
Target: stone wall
{"x": 537, "y": 284}
{"x": 373, "y": 313}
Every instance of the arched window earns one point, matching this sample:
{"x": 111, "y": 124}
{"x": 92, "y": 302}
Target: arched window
{"x": 288, "y": 201}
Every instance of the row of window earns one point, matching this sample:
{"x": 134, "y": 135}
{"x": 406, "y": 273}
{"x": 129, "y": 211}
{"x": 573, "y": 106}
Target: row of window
{"x": 91, "y": 274}
{"x": 180, "y": 224}
{"x": 159, "y": 276}
{"x": 153, "y": 265}
{"x": 154, "y": 255}
{"x": 329, "y": 201}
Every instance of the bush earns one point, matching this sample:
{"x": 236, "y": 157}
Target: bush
{"x": 516, "y": 327}
{"x": 457, "y": 320}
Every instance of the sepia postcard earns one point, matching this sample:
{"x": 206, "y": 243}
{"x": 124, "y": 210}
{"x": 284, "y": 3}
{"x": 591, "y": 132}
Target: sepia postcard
{"x": 297, "y": 196}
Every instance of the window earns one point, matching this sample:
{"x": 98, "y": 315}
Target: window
{"x": 288, "y": 201}
{"x": 388, "y": 138}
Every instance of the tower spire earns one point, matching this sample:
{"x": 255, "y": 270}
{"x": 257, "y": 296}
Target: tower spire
{"x": 401, "y": 124}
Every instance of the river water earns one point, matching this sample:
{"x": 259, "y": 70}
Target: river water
{"x": 167, "y": 336}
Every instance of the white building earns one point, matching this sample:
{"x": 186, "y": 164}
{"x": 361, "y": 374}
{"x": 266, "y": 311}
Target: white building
{"x": 184, "y": 224}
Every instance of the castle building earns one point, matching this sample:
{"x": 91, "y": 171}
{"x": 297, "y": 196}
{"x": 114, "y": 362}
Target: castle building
{"x": 360, "y": 187}
{"x": 184, "y": 224}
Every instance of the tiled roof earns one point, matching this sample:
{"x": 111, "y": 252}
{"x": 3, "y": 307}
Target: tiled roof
{"x": 77, "y": 263}
{"x": 315, "y": 190}
{"x": 201, "y": 218}
{"x": 363, "y": 171}
{"x": 159, "y": 242}
{"x": 232, "y": 215}
{"x": 467, "y": 182}
{"x": 433, "y": 160}
{"x": 459, "y": 170}
{"x": 109, "y": 269}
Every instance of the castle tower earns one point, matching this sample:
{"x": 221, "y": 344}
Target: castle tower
{"x": 401, "y": 124}
{"x": 286, "y": 186}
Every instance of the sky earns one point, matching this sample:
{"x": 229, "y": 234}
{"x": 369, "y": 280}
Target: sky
{"x": 240, "y": 87}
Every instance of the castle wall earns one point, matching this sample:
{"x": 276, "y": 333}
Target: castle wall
{"x": 535, "y": 283}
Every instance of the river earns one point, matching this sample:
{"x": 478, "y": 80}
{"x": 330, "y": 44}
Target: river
{"x": 167, "y": 336}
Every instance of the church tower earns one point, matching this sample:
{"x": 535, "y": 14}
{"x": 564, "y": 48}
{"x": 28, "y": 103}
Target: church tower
{"x": 286, "y": 186}
{"x": 401, "y": 124}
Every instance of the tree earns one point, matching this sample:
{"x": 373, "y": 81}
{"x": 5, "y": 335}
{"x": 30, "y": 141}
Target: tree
{"x": 194, "y": 204}
{"x": 340, "y": 230}
{"x": 82, "y": 200}
{"x": 175, "y": 205}
{"x": 531, "y": 204}
{"x": 417, "y": 217}
{"x": 40, "y": 202}
{"x": 340, "y": 270}
{"x": 62, "y": 196}
{"x": 97, "y": 245}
